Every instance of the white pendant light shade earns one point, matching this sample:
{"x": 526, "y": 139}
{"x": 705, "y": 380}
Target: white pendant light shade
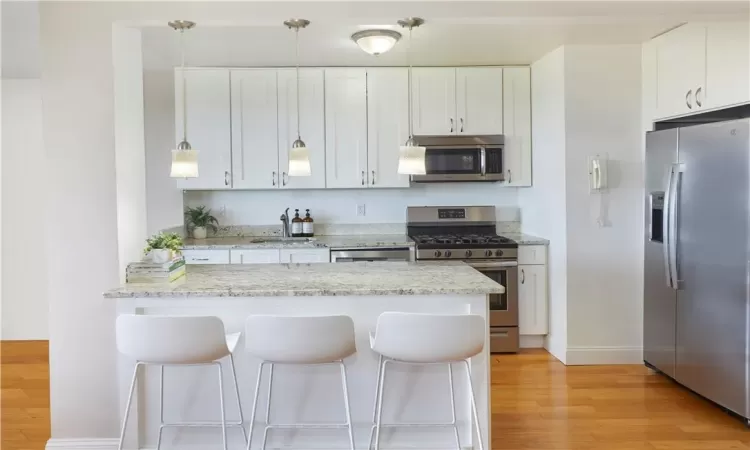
{"x": 299, "y": 160}
{"x": 376, "y": 42}
{"x": 411, "y": 160}
{"x": 184, "y": 162}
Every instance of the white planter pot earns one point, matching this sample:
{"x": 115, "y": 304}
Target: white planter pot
{"x": 199, "y": 232}
{"x": 161, "y": 255}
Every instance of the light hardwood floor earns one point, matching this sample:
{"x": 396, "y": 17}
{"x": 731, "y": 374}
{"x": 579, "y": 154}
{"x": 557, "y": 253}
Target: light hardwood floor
{"x": 537, "y": 404}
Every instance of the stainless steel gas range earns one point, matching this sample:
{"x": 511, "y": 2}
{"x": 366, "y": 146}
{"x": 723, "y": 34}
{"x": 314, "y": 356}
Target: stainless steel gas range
{"x": 468, "y": 234}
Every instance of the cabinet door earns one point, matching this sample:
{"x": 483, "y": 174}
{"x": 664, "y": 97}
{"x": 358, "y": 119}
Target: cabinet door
{"x": 255, "y": 256}
{"x": 517, "y": 125}
{"x": 681, "y": 68}
{"x": 312, "y": 125}
{"x": 255, "y": 155}
{"x": 532, "y": 300}
{"x": 479, "y": 100}
{"x": 208, "y": 125}
{"x": 434, "y": 101}
{"x": 206, "y": 256}
{"x": 346, "y": 128}
{"x": 305, "y": 255}
{"x": 727, "y": 64}
{"x": 387, "y": 125}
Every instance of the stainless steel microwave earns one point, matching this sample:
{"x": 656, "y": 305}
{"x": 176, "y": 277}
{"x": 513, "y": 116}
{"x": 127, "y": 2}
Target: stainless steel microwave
{"x": 461, "y": 158}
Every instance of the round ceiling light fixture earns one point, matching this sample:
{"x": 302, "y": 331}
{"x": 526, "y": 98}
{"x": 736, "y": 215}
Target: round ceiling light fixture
{"x": 376, "y": 42}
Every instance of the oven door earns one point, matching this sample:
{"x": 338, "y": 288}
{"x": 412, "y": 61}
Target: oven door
{"x": 503, "y": 307}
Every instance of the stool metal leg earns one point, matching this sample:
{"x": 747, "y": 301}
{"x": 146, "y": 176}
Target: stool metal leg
{"x": 379, "y": 417}
{"x": 375, "y": 403}
{"x": 474, "y": 406}
{"x": 345, "y": 387}
{"x": 128, "y": 404}
{"x": 255, "y": 405}
{"x": 268, "y": 406}
{"x": 161, "y": 406}
{"x": 453, "y": 406}
{"x": 221, "y": 402}
{"x": 237, "y": 391}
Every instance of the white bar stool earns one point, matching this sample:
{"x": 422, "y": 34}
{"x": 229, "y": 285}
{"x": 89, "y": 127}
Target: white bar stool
{"x": 410, "y": 338}
{"x": 299, "y": 341}
{"x": 177, "y": 341}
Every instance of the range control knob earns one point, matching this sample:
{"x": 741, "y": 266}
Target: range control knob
{"x": 488, "y": 253}
{"x": 468, "y": 253}
{"x": 437, "y": 253}
{"x": 447, "y": 253}
{"x": 499, "y": 253}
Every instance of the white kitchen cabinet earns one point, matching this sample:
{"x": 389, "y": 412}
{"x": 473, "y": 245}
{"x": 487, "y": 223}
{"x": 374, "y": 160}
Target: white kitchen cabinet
{"x": 346, "y": 128}
{"x": 206, "y": 256}
{"x": 479, "y": 100}
{"x": 516, "y": 101}
{"x": 305, "y": 255}
{"x": 387, "y": 125}
{"x": 312, "y": 125}
{"x": 681, "y": 69}
{"x": 434, "y": 100}
{"x": 727, "y": 64}
{"x": 532, "y": 300}
{"x": 208, "y": 125}
{"x": 255, "y": 256}
{"x": 255, "y": 155}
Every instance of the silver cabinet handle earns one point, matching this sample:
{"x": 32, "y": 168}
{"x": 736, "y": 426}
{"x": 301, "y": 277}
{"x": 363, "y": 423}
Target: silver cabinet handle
{"x": 697, "y": 97}
{"x": 373, "y": 178}
{"x": 283, "y": 179}
{"x": 363, "y": 178}
{"x": 687, "y": 99}
{"x": 523, "y": 277}
{"x": 510, "y": 176}
{"x": 226, "y": 178}
{"x": 462, "y": 124}
{"x": 451, "y": 124}
{"x": 273, "y": 178}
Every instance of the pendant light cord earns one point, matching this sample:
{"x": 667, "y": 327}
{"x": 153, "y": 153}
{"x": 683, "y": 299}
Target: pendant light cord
{"x": 296, "y": 38}
{"x": 184, "y": 85}
{"x": 408, "y": 60}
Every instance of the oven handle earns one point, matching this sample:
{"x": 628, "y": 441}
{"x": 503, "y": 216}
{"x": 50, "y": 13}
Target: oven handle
{"x": 492, "y": 264}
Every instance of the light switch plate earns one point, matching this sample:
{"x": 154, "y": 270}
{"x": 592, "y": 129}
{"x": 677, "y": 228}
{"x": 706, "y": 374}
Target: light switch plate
{"x": 361, "y": 210}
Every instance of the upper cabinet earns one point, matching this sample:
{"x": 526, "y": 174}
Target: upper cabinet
{"x": 255, "y": 160}
{"x": 517, "y": 125}
{"x": 208, "y": 125}
{"x": 464, "y": 100}
{"x": 702, "y": 66}
{"x": 312, "y": 125}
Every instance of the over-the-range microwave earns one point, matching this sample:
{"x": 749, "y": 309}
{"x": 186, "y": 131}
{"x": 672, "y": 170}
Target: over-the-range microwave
{"x": 461, "y": 158}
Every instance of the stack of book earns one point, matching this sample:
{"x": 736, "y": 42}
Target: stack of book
{"x": 150, "y": 272}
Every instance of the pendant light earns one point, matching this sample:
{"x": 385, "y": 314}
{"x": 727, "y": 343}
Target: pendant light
{"x": 299, "y": 155}
{"x": 184, "y": 158}
{"x": 411, "y": 157}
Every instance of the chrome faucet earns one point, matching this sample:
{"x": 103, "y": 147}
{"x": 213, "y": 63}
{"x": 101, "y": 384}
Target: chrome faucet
{"x": 285, "y": 232}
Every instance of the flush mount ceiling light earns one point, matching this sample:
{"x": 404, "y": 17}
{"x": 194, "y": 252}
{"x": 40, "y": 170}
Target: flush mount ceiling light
{"x": 184, "y": 158}
{"x": 376, "y": 42}
{"x": 411, "y": 157}
{"x": 299, "y": 155}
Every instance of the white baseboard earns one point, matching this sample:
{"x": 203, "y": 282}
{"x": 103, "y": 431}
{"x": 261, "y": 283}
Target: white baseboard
{"x": 82, "y": 444}
{"x": 591, "y": 356}
{"x": 530, "y": 341}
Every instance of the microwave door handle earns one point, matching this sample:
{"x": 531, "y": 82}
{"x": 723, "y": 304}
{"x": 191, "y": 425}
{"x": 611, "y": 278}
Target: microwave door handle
{"x": 666, "y": 227}
{"x": 483, "y": 161}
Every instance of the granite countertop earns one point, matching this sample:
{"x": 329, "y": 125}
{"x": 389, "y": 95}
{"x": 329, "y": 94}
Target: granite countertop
{"x": 345, "y": 241}
{"x": 318, "y": 280}
{"x": 526, "y": 239}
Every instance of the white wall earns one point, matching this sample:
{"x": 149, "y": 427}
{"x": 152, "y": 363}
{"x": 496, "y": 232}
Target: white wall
{"x": 596, "y": 293}
{"x": 24, "y": 222}
{"x": 544, "y": 205}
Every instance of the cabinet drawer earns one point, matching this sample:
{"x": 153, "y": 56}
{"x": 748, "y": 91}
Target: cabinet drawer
{"x": 206, "y": 256}
{"x": 306, "y": 255}
{"x": 255, "y": 256}
{"x": 532, "y": 254}
{"x": 504, "y": 340}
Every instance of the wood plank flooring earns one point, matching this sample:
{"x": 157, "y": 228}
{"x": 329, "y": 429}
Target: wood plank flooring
{"x": 537, "y": 404}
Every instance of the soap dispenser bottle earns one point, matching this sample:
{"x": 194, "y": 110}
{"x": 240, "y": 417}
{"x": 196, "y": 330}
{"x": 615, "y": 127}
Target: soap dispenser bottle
{"x": 307, "y": 225}
{"x": 296, "y": 224}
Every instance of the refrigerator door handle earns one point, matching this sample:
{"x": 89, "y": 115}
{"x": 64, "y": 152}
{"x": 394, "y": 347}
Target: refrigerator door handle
{"x": 676, "y": 171}
{"x": 666, "y": 227}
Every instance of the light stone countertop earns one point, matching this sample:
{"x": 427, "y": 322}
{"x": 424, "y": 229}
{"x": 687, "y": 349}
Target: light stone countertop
{"x": 525, "y": 239}
{"x": 250, "y": 242}
{"x": 366, "y": 240}
{"x": 318, "y": 280}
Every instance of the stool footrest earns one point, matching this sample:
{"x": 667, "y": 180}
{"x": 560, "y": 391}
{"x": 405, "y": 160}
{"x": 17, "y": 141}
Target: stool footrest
{"x": 309, "y": 426}
{"x": 201, "y": 424}
{"x": 399, "y": 425}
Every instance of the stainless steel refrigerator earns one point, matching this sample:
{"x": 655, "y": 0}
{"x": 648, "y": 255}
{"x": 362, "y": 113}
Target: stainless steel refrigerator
{"x": 697, "y": 259}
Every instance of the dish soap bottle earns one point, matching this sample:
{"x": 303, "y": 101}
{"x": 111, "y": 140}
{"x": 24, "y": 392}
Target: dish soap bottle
{"x": 296, "y": 224}
{"x": 307, "y": 225}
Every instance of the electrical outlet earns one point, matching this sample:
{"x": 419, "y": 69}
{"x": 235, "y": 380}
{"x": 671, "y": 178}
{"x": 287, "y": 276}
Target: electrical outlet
{"x": 223, "y": 211}
{"x": 361, "y": 210}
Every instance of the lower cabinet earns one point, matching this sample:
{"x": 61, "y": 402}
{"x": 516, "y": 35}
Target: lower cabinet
{"x": 532, "y": 293}
{"x": 206, "y": 256}
{"x": 258, "y": 256}
{"x": 255, "y": 256}
{"x": 307, "y": 255}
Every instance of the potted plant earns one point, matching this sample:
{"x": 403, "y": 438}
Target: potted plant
{"x": 161, "y": 247}
{"x": 198, "y": 220}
